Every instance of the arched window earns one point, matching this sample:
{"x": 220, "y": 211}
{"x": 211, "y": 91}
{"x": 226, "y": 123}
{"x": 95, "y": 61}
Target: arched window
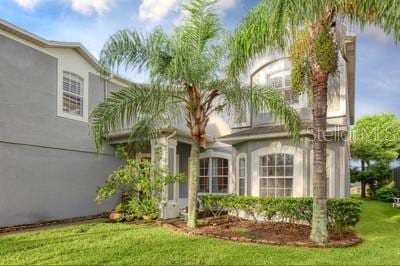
{"x": 276, "y": 75}
{"x": 276, "y": 175}
{"x": 214, "y": 175}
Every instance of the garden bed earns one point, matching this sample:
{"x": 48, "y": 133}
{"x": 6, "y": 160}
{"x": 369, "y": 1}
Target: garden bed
{"x": 273, "y": 233}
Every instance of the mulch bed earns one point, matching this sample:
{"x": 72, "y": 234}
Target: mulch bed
{"x": 23, "y": 227}
{"x": 273, "y": 233}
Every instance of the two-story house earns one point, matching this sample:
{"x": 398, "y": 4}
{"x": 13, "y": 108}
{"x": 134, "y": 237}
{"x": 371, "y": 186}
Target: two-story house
{"x": 49, "y": 168}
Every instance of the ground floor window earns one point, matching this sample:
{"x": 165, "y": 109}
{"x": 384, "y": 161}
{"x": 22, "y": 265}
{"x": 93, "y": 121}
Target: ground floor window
{"x": 276, "y": 175}
{"x": 213, "y": 175}
{"x": 242, "y": 176}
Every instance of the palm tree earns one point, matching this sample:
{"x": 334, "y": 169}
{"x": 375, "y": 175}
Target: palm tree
{"x": 306, "y": 31}
{"x": 185, "y": 85}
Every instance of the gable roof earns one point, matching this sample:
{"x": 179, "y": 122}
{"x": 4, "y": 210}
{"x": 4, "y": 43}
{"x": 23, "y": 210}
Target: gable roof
{"x": 77, "y": 46}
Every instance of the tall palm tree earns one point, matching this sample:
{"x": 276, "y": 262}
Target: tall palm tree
{"x": 185, "y": 85}
{"x": 305, "y": 29}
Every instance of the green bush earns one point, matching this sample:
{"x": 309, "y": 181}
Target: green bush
{"x": 141, "y": 184}
{"x": 387, "y": 193}
{"x": 342, "y": 213}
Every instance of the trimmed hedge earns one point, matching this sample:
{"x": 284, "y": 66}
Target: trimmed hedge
{"x": 342, "y": 213}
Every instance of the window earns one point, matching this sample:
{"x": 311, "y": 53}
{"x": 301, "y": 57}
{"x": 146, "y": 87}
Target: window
{"x": 276, "y": 175}
{"x": 72, "y": 94}
{"x": 282, "y": 81}
{"x": 213, "y": 175}
{"x": 242, "y": 176}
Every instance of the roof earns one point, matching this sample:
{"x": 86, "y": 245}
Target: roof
{"x": 271, "y": 131}
{"x": 28, "y": 36}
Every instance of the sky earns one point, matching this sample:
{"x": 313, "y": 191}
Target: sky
{"x": 91, "y": 22}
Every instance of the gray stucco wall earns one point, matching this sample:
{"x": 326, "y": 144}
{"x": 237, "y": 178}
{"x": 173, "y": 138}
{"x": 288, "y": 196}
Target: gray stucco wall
{"x": 48, "y": 165}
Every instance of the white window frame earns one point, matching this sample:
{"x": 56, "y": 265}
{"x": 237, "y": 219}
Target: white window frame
{"x": 241, "y": 156}
{"x": 84, "y": 117}
{"x": 276, "y": 176}
{"x": 298, "y": 170}
{"x": 212, "y": 154}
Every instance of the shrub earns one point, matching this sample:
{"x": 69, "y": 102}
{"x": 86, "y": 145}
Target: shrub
{"x": 342, "y": 213}
{"x": 141, "y": 184}
{"x": 387, "y": 193}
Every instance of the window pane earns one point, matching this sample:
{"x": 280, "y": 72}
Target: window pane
{"x": 72, "y": 104}
{"x": 289, "y": 159}
{"x": 263, "y": 161}
{"x": 72, "y": 94}
{"x": 271, "y": 171}
{"x": 280, "y": 193}
{"x": 280, "y": 171}
{"x": 271, "y": 160}
{"x": 280, "y": 159}
{"x": 241, "y": 186}
{"x": 271, "y": 182}
{"x": 289, "y": 171}
{"x": 271, "y": 193}
{"x": 204, "y": 184}
{"x": 288, "y": 183}
{"x": 288, "y": 192}
{"x": 280, "y": 182}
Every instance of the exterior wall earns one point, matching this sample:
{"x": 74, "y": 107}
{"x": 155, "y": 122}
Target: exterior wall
{"x": 39, "y": 183}
{"x": 48, "y": 164}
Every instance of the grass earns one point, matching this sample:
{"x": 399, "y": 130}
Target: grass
{"x": 105, "y": 243}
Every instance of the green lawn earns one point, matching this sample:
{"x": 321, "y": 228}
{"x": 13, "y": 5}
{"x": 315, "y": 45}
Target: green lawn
{"x": 104, "y": 243}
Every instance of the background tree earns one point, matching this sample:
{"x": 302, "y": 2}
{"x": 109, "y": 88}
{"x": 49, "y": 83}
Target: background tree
{"x": 305, "y": 29}
{"x": 375, "y": 142}
{"x": 185, "y": 84}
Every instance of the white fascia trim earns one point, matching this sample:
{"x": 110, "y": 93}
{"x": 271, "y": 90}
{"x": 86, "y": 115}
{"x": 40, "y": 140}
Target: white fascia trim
{"x": 28, "y": 36}
{"x": 275, "y": 135}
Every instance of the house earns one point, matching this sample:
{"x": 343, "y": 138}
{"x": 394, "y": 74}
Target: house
{"x": 48, "y": 162}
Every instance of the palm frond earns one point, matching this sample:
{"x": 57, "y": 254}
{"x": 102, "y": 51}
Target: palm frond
{"x": 128, "y": 106}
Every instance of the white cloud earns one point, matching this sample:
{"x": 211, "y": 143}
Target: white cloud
{"x": 85, "y": 7}
{"x": 89, "y": 7}
{"x": 155, "y": 10}
{"x": 226, "y": 4}
{"x": 27, "y": 4}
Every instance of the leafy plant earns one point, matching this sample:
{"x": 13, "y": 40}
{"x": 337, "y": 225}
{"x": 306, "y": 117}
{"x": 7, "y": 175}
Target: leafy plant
{"x": 142, "y": 184}
{"x": 387, "y": 193}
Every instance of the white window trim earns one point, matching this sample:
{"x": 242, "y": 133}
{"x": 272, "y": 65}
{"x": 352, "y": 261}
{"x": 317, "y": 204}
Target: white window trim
{"x": 274, "y": 148}
{"x": 275, "y": 165}
{"x": 241, "y": 156}
{"x": 60, "y": 94}
{"x": 211, "y": 153}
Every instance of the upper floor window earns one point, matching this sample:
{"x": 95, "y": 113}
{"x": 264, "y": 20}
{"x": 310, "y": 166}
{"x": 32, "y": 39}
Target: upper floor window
{"x": 214, "y": 175}
{"x": 72, "y": 94}
{"x": 279, "y": 78}
{"x": 276, "y": 175}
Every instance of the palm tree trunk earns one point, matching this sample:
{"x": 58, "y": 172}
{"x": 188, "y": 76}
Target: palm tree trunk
{"x": 319, "y": 232}
{"x": 193, "y": 184}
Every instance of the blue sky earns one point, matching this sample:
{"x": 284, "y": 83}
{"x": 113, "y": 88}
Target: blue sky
{"x": 92, "y": 21}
